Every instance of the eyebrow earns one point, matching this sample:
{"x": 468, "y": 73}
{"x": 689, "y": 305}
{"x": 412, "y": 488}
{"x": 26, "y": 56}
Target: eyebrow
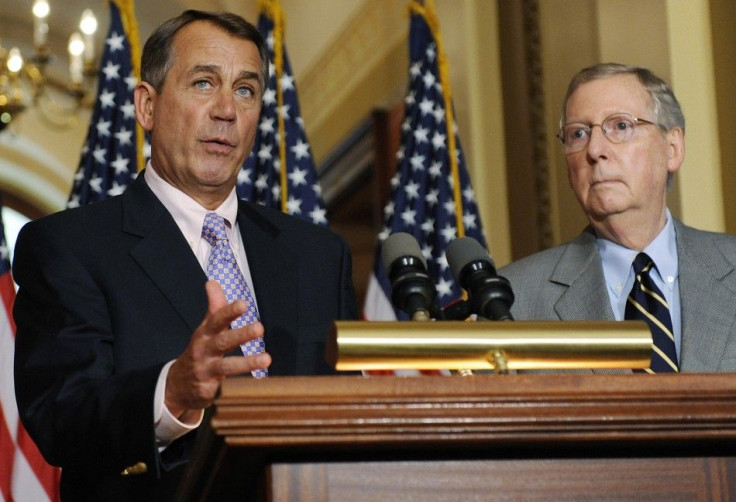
{"x": 211, "y": 68}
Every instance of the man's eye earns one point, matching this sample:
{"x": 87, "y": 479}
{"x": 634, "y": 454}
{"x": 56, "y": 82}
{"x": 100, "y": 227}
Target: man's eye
{"x": 577, "y": 134}
{"x": 202, "y": 84}
{"x": 622, "y": 125}
{"x": 245, "y": 92}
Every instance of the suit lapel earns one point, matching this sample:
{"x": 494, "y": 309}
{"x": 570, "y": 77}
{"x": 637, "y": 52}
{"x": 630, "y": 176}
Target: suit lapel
{"x": 586, "y": 297}
{"x": 707, "y": 300}
{"x": 579, "y": 268}
{"x": 163, "y": 254}
{"x": 275, "y": 274}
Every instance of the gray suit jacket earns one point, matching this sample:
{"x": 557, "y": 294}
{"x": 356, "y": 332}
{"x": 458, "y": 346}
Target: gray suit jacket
{"x": 566, "y": 283}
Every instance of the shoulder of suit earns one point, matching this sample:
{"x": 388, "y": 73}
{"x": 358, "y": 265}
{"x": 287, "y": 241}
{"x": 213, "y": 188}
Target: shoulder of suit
{"x": 275, "y": 221}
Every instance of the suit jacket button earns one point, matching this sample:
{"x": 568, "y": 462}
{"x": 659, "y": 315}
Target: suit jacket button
{"x": 139, "y": 468}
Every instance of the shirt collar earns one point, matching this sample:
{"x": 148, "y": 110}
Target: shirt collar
{"x": 617, "y": 259}
{"x": 188, "y": 213}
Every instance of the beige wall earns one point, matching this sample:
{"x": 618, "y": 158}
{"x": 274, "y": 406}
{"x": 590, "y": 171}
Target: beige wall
{"x": 360, "y": 63}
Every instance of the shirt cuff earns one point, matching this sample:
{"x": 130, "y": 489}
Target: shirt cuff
{"x": 166, "y": 426}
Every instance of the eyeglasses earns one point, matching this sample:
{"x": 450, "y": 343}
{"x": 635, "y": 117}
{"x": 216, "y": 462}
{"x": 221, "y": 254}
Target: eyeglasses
{"x": 618, "y": 128}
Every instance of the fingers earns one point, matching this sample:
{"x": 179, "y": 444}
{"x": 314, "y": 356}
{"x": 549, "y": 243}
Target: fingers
{"x": 196, "y": 375}
{"x": 239, "y": 365}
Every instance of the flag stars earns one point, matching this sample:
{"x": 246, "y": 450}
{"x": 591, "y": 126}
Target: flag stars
{"x": 120, "y": 164}
{"x": 111, "y": 71}
{"x": 128, "y": 110}
{"x": 417, "y": 162}
{"x": 269, "y": 97}
{"x": 298, "y": 177}
{"x": 448, "y": 233}
{"x": 412, "y": 190}
{"x": 107, "y": 99}
{"x": 115, "y": 42}
{"x": 100, "y": 155}
{"x": 444, "y": 287}
{"x": 429, "y": 80}
{"x": 415, "y": 69}
{"x": 468, "y": 194}
{"x": 439, "y": 114}
{"x": 103, "y": 128}
{"x": 449, "y": 206}
{"x": 318, "y": 216}
{"x": 301, "y": 150}
{"x": 388, "y": 209}
{"x": 95, "y": 183}
{"x": 266, "y": 125}
{"x": 426, "y": 106}
{"x": 262, "y": 182}
{"x": 400, "y": 153}
{"x": 438, "y": 140}
{"x": 287, "y": 82}
{"x": 131, "y": 81}
{"x": 442, "y": 262}
{"x": 244, "y": 176}
{"x": 427, "y": 251}
{"x": 294, "y": 205}
{"x": 469, "y": 220}
{"x": 428, "y": 226}
{"x": 115, "y": 189}
{"x": 124, "y": 137}
{"x": 421, "y": 135}
{"x": 265, "y": 152}
{"x": 409, "y": 217}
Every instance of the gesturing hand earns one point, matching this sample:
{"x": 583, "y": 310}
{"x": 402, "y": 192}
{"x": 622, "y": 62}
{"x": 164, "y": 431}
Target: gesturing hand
{"x": 196, "y": 375}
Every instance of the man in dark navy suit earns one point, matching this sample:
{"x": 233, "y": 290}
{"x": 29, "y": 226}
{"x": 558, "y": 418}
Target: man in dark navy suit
{"x": 122, "y": 342}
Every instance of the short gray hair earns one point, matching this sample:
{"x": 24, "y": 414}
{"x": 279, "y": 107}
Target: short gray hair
{"x": 665, "y": 107}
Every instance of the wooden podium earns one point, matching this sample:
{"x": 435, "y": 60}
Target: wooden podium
{"x": 505, "y": 437}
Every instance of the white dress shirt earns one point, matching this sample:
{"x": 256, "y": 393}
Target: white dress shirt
{"x": 189, "y": 216}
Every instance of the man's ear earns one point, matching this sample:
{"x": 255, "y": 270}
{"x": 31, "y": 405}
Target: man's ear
{"x": 144, "y": 96}
{"x": 675, "y": 149}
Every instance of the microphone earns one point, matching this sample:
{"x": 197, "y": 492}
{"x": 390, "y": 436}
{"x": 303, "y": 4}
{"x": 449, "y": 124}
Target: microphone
{"x": 490, "y": 295}
{"x": 412, "y": 289}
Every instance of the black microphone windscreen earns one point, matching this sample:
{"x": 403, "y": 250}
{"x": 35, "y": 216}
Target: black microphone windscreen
{"x": 399, "y": 245}
{"x": 465, "y": 250}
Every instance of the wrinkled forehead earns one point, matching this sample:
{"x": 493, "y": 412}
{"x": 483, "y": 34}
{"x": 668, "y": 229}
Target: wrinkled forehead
{"x": 607, "y": 95}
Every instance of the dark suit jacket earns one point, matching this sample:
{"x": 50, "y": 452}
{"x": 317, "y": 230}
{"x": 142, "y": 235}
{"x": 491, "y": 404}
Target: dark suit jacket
{"x": 566, "y": 283}
{"x": 110, "y": 292}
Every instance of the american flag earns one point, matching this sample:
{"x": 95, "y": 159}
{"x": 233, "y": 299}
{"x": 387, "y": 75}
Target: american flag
{"x": 431, "y": 195}
{"x": 280, "y": 171}
{"x": 109, "y": 161}
{"x": 24, "y": 475}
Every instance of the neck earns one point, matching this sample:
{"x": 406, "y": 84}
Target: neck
{"x": 631, "y": 231}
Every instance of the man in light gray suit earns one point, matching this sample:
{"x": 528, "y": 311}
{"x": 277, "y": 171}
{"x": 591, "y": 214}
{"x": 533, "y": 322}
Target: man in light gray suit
{"x": 623, "y": 135}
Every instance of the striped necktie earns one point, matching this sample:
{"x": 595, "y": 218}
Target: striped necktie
{"x": 223, "y": 268}
{"x": 646, "y": 303}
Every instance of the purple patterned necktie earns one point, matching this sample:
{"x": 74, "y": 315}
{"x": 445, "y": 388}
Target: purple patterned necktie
{"x": 223, "y": 268}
